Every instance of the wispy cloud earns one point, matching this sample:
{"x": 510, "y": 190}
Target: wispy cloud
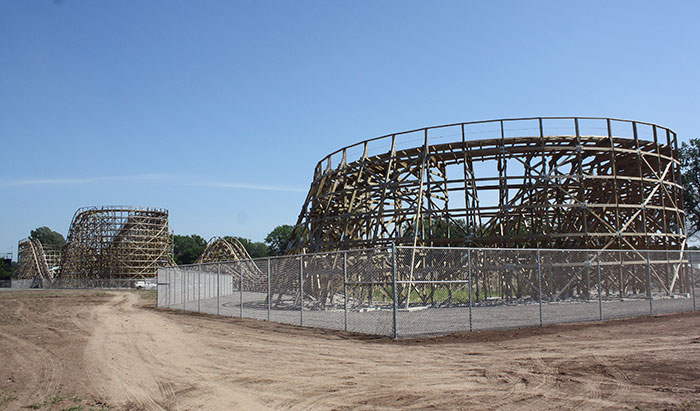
{"x": 242, "y": 186}
{"x": 144, "y": 178}
{"x": 84, "y": 180}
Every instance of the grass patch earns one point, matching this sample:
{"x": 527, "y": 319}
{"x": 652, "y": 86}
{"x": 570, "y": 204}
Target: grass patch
{"x": 57, "y": 399}
{"x": 34, "y": 294}
{"x": 149, "y": 294}
{"x": 75, "y": 408}
{"x": 6, "y": 399}
{"x": 34, "y": 406}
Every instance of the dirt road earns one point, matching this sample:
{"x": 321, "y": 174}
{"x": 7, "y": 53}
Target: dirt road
{"x": 115, "y": 350}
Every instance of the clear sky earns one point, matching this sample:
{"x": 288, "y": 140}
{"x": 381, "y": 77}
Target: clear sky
{"x": 219, "y": 110}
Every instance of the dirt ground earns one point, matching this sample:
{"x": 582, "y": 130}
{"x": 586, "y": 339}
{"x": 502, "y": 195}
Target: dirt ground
{"x": 84, "y": 350}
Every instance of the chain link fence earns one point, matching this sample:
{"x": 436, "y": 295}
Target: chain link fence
{"x": 412, "y": 291}
{"x": 84, "y": 283}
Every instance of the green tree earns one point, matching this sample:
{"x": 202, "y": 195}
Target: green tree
{"x": 48, "y": 238}
{"x": 454, "y": 229}
{"x": 188, "y": 248}
{"x": 690, "y": 177}
{"x": 6, "y": 269}
{"x": 278, "y": 239}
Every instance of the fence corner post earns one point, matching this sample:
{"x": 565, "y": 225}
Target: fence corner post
{"x": 692, "y": 278}
{"x": 218, "y": 282}
{"x": 469, "y": 273}
{"x": 394, "y": 328}
{"x": 269, "y": 290}
{"x": 600, "y": 288}
{"x": 651, "y": 298}
{"x": 301, "y": 290}
{"x": 345, "y": 289}
{"x": 539, "y": 284}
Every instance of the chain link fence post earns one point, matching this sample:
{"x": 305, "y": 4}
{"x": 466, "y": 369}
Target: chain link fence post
{"x": 651, "y": 306}
{"x": 240, "y": 292}
{"x": 539, "y": 284}
{"x": 199, "y": 290}
{"x": 345, "y": 290}
{"x": 469, "y": 274}
{"x": 169, "y": 286}
{"x": 301, "y": 290}
{"x": 233, "y": 288}
{"x": 183, "y": 290}
{"x": 692, "y": 278}
{"x": 218, "y": 281}
{"x": 394, "y": 328}
{"x": 600, "y": 289}
{"x": 269, "y": 290}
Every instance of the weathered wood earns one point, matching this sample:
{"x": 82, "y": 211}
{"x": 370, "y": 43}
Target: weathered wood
{"x": 543, "y": 190}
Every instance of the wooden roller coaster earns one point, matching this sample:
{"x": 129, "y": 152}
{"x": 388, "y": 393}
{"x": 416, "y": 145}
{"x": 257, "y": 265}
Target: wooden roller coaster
{"x": 546, "y": 182}
{"x": 117, "y": 243}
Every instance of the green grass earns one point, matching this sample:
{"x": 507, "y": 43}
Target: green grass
{"x": 440, "y": 294}
{"x": 34, "y": 294}
{"x": 6, "y": 399}
{"x": 56, "y": 399}
{"x": 149, "y": 294}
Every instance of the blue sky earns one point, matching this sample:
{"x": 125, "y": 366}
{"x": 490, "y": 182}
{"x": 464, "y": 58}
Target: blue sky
{"x": 219, "y": 110}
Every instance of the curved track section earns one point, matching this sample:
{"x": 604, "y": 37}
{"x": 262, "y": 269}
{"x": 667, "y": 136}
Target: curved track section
{"x": 33, "y": 263}
{"x": 223, "y": 249}
{"x": 544, "y": 182}
{"x": 116, "y": 243}
{"x": 229, "y": 249}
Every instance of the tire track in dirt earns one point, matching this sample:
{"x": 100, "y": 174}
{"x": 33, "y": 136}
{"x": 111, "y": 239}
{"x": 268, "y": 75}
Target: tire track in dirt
{"x": 46, "y": 378}
{"x": 530, "y": 383}
{"x": 622, "y": 383}
{"x": 139, "y": 357}
{"x": 111, "y": 369}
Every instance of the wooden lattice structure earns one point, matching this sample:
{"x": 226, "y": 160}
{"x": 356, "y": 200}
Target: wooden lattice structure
{"x": 567, "y": 183}
{"x": 34, "y": 262}
{"x": 117, "y": 243}
{"x": 223, "y": 249}
{"x": 230, "y": 250}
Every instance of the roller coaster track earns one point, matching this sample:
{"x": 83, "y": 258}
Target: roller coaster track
{"x": 32, "y": 263}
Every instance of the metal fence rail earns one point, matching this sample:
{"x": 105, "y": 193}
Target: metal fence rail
{"x": 409, "y": 291}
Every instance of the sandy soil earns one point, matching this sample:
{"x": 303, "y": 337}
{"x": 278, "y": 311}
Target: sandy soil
{"x": 115, "y": 350}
